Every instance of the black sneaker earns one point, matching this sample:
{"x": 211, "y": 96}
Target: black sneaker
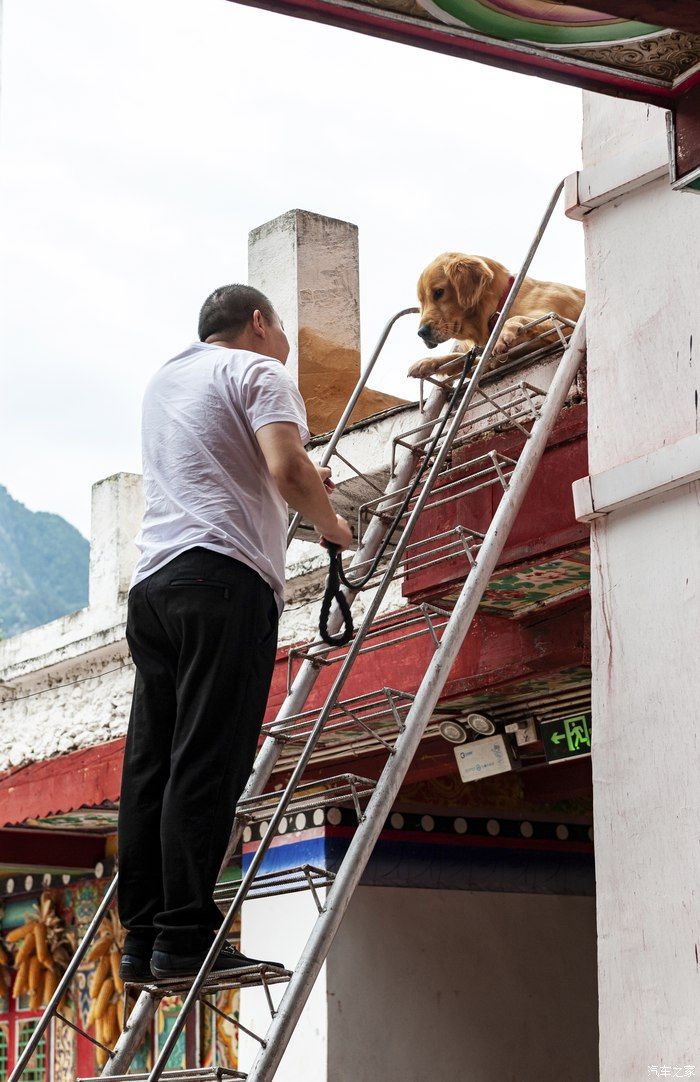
{"x": 135, "y": 969}
{"x": 164, "y": 964}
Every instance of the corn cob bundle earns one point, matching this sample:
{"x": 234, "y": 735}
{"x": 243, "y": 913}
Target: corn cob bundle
{"x": 43, "y": 952}
{"x": 5, "y": 970}
{"x": 106, "y": 986}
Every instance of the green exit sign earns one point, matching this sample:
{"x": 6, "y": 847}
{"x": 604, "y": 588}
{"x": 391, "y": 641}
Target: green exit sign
{"x": 566, "y": 738}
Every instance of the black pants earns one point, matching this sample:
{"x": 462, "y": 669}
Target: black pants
{"x": 203, "y": 635}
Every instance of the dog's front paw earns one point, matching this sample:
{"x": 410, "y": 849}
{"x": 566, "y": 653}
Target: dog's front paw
{"x": 505, "y": 341}
{"x": 427, "y": 367}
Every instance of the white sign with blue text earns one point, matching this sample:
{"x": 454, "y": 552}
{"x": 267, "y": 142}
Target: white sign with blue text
{"x": 482, "y": 758}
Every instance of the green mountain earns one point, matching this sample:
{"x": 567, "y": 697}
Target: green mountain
{"x": 43, "y": 567}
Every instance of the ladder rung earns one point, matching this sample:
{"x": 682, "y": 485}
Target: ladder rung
{"x": 376, "y": 714}
{"x": 387, "y": 630}
{"x": 314, "y": 794}
{"x": 482, "y": 471}
{"x": 494, "y": 410}
{"x": 221, "y": 980}
{"x": 270, "y": 884}
{"x": 457, "y": 543}
{"x": 193, "y": 1074}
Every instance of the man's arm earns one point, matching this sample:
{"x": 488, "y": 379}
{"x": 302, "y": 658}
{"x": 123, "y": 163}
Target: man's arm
{"x": 299, "y": 481}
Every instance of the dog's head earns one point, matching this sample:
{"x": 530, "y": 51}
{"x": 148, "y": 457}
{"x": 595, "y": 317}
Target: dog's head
{"x": 452, "y": 290}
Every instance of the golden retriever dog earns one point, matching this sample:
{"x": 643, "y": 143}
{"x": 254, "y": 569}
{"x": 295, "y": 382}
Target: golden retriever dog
{"x": 460, "y": 297}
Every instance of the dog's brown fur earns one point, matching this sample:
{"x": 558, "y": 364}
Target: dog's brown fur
{"x": 472, "y": 289}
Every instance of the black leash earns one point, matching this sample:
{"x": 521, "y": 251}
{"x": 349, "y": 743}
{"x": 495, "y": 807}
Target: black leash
{"x": 334, "y": 593}
{"x": 336, "y": 572}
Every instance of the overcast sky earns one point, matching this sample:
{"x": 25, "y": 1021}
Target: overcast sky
{"x": 140, "y": 140}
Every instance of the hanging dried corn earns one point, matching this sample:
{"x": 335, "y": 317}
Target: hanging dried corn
{"x": 106, "y": 986}
{"x": 43, "y": 952}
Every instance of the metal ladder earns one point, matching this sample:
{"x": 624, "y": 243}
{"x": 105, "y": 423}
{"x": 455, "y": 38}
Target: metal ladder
{"x": 386, "y": 718}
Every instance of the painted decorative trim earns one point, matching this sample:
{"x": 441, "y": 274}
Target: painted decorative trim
{"x": 33, "y": 882}
{"x": 423, "y": 826}
{"x": 495, "y": 854}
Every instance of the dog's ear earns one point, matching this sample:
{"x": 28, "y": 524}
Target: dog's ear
{"x": 470, "y": 277}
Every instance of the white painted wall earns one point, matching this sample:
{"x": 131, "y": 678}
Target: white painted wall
{"x": 643, "y": 283}
{"x": 440, "y": 985}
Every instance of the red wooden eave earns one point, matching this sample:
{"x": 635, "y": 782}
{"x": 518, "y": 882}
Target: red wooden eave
{"x": 79, "y": 779}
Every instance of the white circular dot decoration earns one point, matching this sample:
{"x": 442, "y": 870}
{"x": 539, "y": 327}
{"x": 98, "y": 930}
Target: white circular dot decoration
{"x": 493, "y": 827}
{"x": 28, "y": 882}
{"x": 397, "y": 821}
{"x": 527, "y": 830}
{"x": 300, "y": 821}
{"x": 247, "y": 834}
{"x": 427, "y": 822}
{"x": 10, "y": 886}
{"x": 263, "y": 827}
{"x": 318, "y": 817}
{"x": 461, "y": 826}
{"x": 99, "y": 870}
{"x": 65, "y": 879}
{"x": 46, "y": 879}
{"x": 334, "y": 816}
{"x": 284, "y": 823}
{"x": 562, "y": 832}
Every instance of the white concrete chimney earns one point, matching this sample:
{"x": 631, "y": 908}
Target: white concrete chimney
{"x": 117, "y": 507}
{"x": 308, "y": 266}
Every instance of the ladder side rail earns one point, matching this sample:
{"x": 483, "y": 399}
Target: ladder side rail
{"x": 385, "y": 794}
{"x": 131, "y": 1037}
{"x": 441, "y": 452}
{"x": 352, "y": 402}
{"x": 63, "y": 984}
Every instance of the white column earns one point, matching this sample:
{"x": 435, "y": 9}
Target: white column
{"x": 117, "y": 507}
{"x": 308, "y": 266}
{"x": 643, "y": 280}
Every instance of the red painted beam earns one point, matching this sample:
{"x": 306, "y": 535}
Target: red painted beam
{"x": 501, "y": 54}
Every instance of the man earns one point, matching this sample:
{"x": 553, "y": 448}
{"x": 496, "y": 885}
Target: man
{"x": 223, "y": 430}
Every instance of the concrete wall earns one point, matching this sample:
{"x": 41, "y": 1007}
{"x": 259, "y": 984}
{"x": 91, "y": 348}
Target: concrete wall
{"x": 440, "y": 985}
{"x": 643, "y": 280}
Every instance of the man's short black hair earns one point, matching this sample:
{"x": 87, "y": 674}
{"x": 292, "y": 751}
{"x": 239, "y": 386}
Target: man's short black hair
{"x": 228, "y": 309}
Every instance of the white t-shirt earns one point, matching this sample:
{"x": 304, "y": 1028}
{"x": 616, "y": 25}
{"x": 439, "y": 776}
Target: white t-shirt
{"x": 205, "y": 479}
